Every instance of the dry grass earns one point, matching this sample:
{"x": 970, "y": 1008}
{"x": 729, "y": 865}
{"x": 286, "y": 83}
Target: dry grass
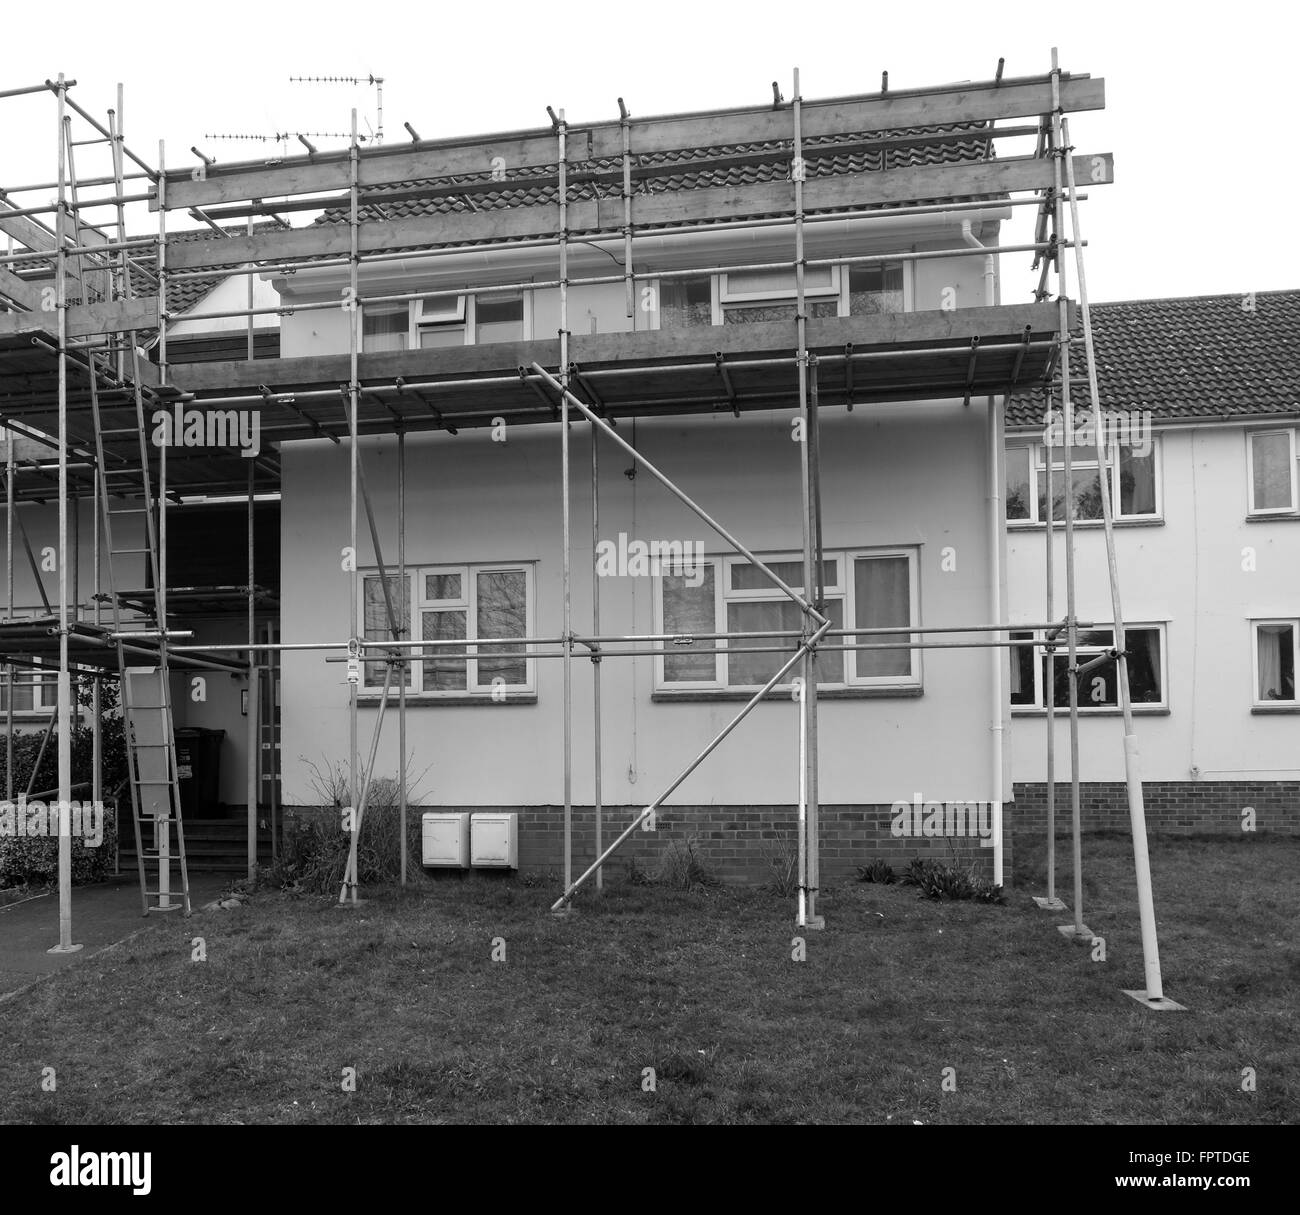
{"x": 701, "y": 987}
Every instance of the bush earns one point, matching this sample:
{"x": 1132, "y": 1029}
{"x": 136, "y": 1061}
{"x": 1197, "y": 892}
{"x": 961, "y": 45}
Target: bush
{"x": 314, "y": 850}
{"x": 682, "y": 867}
{"x": 877, "y": 871}
{"x": 782, "y": 860}
{"x": 935, "y": 880}
{"x": 34, "y": 860}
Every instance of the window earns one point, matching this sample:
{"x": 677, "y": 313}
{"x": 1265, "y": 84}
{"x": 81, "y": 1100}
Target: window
{"x": 873, "y": 590}
{"x": 1133, "y": 477}
{"x": 685, "y": 302}
{"x": 1271, "y": 468}
{"x": 875, "y": 288}
{"x": 1275, "y": 662}
{"x": 498, "y": 318}
{"x": 384, "y": 327}
{"x": 34, "y": 692}
{"x": 440, "y": 321}
{"x": 484, "y": 611}
{"x": 1033, "y": 671}
{"x": 752, "y": 296}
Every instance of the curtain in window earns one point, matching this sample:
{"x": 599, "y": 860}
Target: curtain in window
{"x": 1137, "y": 483}
{"x": 689, "y": 610}
{"x": 1276, "y": 662}
{"x": 1143, "y": 646}
{"x": 882, "y": 587}
{"x": 1270, "y": 462}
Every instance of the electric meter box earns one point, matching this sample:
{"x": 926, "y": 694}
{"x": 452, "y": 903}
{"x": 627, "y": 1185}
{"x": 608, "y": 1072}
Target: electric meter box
{"x": 494, "y": 841}
{"x": 444, "y": 840}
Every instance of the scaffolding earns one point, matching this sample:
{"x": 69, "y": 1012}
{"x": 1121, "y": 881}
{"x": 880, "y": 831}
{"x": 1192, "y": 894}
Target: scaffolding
{"x": 601, "y": 184}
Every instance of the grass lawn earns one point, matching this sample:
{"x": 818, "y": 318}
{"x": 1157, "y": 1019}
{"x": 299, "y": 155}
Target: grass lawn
{"x": 700, "y": 987}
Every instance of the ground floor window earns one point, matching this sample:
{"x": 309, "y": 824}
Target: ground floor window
{"x": 479, "y": 615}
{"x": 1275, "y": 661}
{"x": 868, "y": 589}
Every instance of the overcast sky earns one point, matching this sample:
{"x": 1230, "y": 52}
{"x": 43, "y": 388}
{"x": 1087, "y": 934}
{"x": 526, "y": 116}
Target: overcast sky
{"x": 1199, "y": 100}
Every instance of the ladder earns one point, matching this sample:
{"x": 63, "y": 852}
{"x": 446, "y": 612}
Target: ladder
{"x": 146, "y": 690}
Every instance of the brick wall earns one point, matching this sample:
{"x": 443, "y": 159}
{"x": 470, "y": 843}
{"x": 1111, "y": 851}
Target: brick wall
{"x": 736, "y": 842}
{"x": 1174, "y": 807}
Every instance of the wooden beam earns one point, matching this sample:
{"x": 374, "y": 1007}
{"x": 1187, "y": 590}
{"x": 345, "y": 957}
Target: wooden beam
{"x": 24, "y": 294}
{"x": 847, "y": 191}
{"x": 642, "y": 348}
{"x": 85, "y": 320}
{"x": 512, "y": 151}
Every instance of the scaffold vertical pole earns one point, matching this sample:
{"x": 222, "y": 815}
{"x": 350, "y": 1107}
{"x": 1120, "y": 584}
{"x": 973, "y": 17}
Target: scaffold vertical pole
{"x": 354, "y": 395}
{"x": 561, "y": 132}
{"x": 1153, "y": 995}
{"x": 63, "y": 703}
{"x": 406, "y": 633}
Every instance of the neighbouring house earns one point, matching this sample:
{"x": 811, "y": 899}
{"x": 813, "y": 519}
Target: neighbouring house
{"x": 1201, "y": 399}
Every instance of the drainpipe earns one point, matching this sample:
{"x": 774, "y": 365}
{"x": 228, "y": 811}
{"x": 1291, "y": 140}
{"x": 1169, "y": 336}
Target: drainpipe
{"x": 998, "y": 656}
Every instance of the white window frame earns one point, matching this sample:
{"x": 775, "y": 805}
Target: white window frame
{"x": 1256, "y": 702}
{"x": 1271, "y": 511}
{"x": 1086, "y": 652}
{"x": 1086, "y": 457}
{"x": 909, "y": 284}
{"x": 41, "y": 707}
{"x": 842, "y": 589}
{"x": 526, "y": 313}
{"x": 467, "y": 603}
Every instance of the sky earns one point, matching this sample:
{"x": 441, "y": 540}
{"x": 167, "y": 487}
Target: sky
{"x": 1198, "y": 100}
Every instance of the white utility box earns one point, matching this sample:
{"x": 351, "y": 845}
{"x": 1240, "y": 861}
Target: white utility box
{"x": 494, "y": 841}
{"x": 445, "y": 840}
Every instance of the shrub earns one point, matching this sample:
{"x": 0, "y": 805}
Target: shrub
{"x": 877, "y": 871}
{"x": 935, "y": 880}
{"x": 682, "y": 867}
{"x": 781, "y": 857}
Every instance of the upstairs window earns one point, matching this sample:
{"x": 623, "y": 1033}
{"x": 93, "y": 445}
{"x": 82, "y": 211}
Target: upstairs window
{"x": 440, "y": 321}
{"x": 752, "y": 296}
{"x": 1133, "y": 477}
{"x": 384, "y": 327}
{"x": 685, "y": 303}
{"x": 875, "y": 288}
{"x": 1271, "y": 472}
{"x": 498, "y": 318}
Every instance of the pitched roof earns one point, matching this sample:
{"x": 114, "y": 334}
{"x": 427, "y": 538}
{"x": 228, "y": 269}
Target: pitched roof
{"x": 753, "y": 164}
{"x": 1201, "y": 356}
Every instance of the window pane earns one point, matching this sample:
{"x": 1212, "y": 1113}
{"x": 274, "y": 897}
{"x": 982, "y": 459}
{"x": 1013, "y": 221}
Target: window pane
{"x": 685, "y": 303}
{"x": 377, "y": 627}
{"x": 1137, "y": 482}
{"x": 754, "y": 670}
{"x": 1022, "y": 672}
{"x": 777, "y": 282}
{"x": 748, "y": 577}
{"x": 689, "y": 610}
{"x": 23, "y": 685}
{"x": 384, "y": 330}
{"x": 1276, "y": 662}
{"x": 442, "y": 672}
{"x": 441, "y": 335}
{"x": 1017, "y": 471}
{"x": 875, "y": 289}
{"x": 1086, "y": 496}
{"x": 443, "y": 587}
{"x": 882, "y": 587}
{"x": 751, "y": 314}
{"x": 499, "y": 320}
{"x": 502, "y": 612}
{"x": 1271, "y": 467}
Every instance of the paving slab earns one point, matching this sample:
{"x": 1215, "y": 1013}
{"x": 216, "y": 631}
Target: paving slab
{"x": 102, "y": 915}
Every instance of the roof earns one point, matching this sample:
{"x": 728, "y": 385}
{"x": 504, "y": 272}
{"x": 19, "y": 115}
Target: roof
{"x": 1200, "y": 356}
{"x": 754, "y": 163}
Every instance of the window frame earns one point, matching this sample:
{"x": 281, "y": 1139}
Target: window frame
{"x": 42, "y": 708}
{"x": 1084, "y": 654}
{"x": 843, "y": 590}
{"x": 1272, "y": 512}
{"x": 1256, "y": 701}
{"x": 1086, "y": 458}
{"x": 419, "y": 603}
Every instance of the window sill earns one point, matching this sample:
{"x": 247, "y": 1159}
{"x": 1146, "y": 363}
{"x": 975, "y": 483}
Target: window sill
{"x": 1269, "y": 710}
{"x": 1025, "y": 525}
{"x": 1142, "y": 710}
{"x": 449, "y": 702}
{"x": 1282, "y": 517}
{"x": 660, "y": 696}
